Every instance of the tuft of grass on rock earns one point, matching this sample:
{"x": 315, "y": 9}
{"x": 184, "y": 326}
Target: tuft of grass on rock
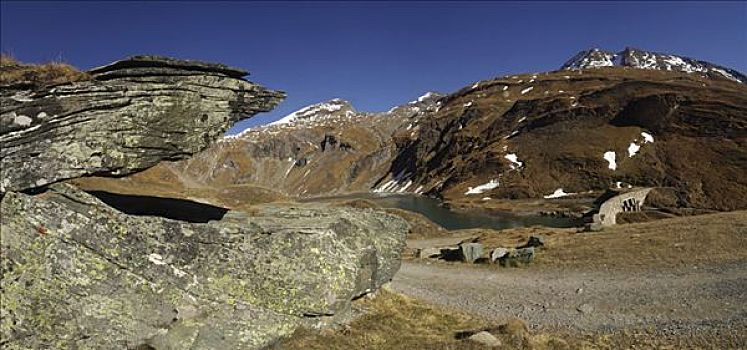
{"x": 14, "y": 72}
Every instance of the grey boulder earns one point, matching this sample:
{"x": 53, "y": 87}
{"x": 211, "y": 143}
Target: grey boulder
{"x": 497, "y": 254}
{"x": 470, "y": 252}
{"x": 77, "y": 273}
{"x": 485, "y": 338}
{"x": 516, "y": 257}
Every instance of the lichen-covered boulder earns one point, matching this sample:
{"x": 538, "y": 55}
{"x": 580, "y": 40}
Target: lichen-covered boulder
{"x": 129, "y": 116}
{"x": 77, "y": 273}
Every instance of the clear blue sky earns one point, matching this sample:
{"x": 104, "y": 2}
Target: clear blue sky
{"x": 374, "y": 54}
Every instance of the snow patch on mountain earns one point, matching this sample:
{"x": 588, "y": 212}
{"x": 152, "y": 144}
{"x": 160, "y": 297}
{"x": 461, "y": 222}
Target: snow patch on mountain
{"x": 515, "y": 163}
{"x": 427, "y": 95}
{"x": 633, "y": 149}
{"x": 647, "y": 137}
{"x": 482, "y": 188}
{"x": 609, "y": 156}
{"x": 559, "y": 193}
{"x": 399, "y": 184}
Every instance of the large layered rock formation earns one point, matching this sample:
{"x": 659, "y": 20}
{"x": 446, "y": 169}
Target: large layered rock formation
{"x": 77, "y": 271}
{"x": 128, "y": 117}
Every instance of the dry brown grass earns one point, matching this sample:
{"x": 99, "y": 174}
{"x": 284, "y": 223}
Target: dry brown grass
{"x": 162, "y": 181}
{"x": 13, "y": 72}
{"x": 237, "y": 197}
{"x": 704, "y": 239}
{"x": 719, "y": 238}
{"x": 394, "y": 321}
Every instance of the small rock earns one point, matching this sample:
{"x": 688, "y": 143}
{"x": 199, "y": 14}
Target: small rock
{"x": 517, "y": 256}
{"x": 585, "y": 309}
{"x": 301, "y": 162}
{"x": 525, "y": 255}
{"x": 579, "y": 291}
{"x": 470, "y": 251}
{"x": 485, "y": 338}
{"x": 498, "y": 253}
{"x": 535, "y": 241}
{"x": 428, "y": 253}
{"x": 593, "y": 227}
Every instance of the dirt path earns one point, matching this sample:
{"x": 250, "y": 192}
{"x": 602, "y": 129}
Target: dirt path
{"x": 674, "y": 300}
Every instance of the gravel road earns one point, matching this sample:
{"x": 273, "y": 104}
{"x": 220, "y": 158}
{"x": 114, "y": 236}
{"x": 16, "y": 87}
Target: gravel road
{"x": 673, "y": 300}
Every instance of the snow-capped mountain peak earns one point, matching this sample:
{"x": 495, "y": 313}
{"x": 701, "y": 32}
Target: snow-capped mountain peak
{"x": 642, "y": 59}
{"x": 335, "y": 106}
{"x": 592, "y": 58}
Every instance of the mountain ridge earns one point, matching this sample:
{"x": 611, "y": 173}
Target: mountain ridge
{"x": 523, "y": 136}
{"x": 644, "y": 59}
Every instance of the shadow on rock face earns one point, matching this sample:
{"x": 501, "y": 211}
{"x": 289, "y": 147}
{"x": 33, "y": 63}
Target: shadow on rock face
{"x": 170, "y": 208}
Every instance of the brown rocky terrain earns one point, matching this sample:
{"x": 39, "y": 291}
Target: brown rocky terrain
{"x": 583, "y": 115}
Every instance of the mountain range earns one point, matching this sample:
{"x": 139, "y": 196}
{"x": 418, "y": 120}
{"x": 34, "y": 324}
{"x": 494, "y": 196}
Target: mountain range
{"x": 603, "y": 120}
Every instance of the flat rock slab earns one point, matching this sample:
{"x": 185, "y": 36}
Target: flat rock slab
{"x": 149, "y": 61}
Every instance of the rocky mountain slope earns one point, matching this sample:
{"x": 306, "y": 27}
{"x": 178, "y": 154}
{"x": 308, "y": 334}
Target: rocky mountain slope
{"x": 674, "y": 123}
{"x": 323, "y": 149}
{"x": 544, "y": 135}
{"x": 106, "y": 271}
